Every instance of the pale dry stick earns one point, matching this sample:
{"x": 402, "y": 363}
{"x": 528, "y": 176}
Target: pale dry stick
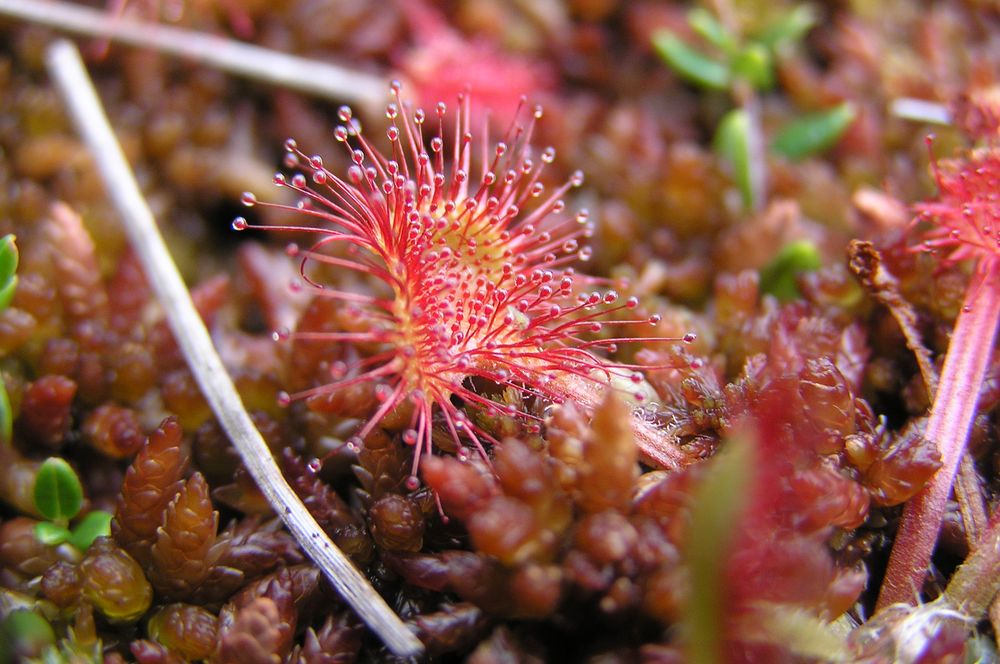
{"x": 66, "y": 68}
{"x": 920, "y": 110}
{"x": 254, "y": 62}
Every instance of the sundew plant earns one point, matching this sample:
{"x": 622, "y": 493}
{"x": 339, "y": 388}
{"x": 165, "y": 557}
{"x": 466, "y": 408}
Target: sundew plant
{"x": 483, "y": 293}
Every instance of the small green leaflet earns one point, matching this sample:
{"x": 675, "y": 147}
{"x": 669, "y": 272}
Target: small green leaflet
{"x": 814, "y": 133}
{"x": 789, "y": 28}
{"x": 711, "y": 30}
{"x": 58, "y": 494}
{"x": 689, "y": 63}
{"x": 51, "y": 534}
{"x": 95, "y": 524}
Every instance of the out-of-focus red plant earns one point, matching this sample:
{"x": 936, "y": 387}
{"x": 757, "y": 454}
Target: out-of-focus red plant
{"x": 442, "y": 63}
{"x": 762, "y": 580}
{"x": 965, "y": 225}
{"x": 478, "y": 289}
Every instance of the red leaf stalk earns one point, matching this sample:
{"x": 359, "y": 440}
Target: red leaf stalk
{"x": 949, "y": 424}
{"x": 967, "y": 226}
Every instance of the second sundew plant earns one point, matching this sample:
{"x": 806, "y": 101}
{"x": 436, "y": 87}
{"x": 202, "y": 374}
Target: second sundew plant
{"x": 481, "y": 291}
{"x": 965, "y": 225}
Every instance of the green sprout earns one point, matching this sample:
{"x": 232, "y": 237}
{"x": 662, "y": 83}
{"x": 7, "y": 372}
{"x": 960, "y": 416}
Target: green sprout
{"x": 58, "y": 497}
{"x": 751, "y": 59}
{"x": 745, "y": 65}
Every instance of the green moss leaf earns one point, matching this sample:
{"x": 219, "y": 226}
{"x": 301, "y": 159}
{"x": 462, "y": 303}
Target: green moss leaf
{"x": 58, "y": 494}
{"x": 718, "y": 503}
{"x": 690, "y": 63}
{"x": 732, "y": 143}
{"x": 814, "y": 133}
{"x": 95, "y": 524}
{"x": 779, "y": 276}
{"x": 8, "y": 270}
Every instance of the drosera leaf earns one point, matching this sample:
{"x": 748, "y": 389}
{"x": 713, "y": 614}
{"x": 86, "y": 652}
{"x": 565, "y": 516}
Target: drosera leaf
{"x": 732, "y": 143}
{"x": 690, "y": 63}
{"x": 778, "y": 277}
{"x": 95, "y": 524}
{"x": 58, "y": 493}
{"x": 711, "y": 30}
{"x": 716, "y": 508}
{"x": 8, "y": 269}
{"x": 51, "y": 534}
{"x": 814, "y": 133}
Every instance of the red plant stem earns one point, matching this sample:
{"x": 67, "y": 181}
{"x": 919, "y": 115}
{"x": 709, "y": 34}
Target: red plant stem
{"x": 951, "y": 418}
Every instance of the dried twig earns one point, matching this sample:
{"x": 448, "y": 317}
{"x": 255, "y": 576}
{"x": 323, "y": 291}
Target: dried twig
{"x": 78, "y": 92}
{"x": 920, "y": 110}
{"x": 302, "y": 74}
{"x": 865, "y": 261}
